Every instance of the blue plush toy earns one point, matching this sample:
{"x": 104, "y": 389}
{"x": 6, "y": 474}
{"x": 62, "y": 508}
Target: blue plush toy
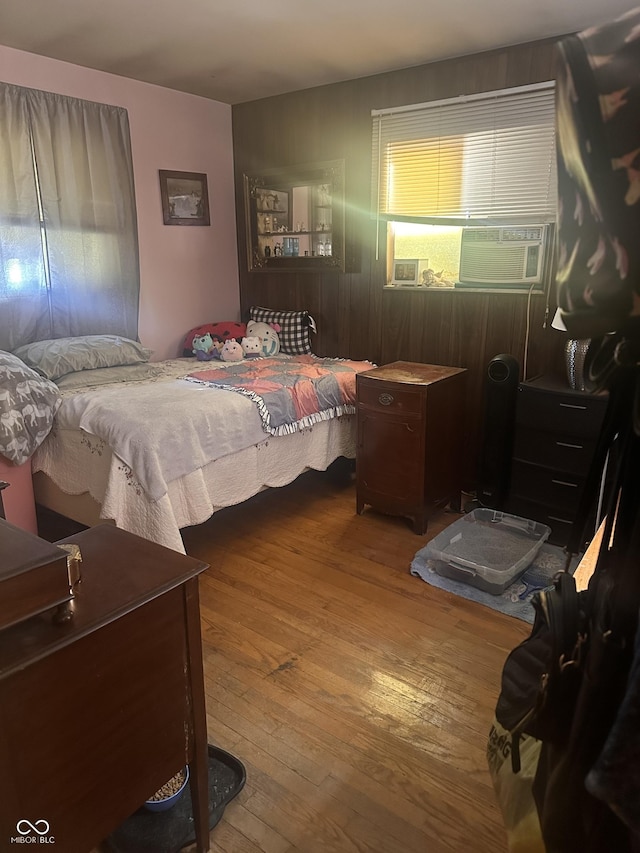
{"x": 205, "y": 348}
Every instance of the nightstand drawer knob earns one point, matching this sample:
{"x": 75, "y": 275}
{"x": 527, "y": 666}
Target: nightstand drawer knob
{"x": 385, "y": 399}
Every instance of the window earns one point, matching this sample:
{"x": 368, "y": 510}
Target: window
{"x": 68, "y": 234}
{"x": 445, "y": 170}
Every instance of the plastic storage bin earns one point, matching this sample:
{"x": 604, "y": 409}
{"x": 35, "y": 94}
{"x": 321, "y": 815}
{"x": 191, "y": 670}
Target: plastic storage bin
{"x": 487, "y": 549}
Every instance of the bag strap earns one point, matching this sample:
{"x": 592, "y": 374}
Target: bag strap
{"x": 558, "y": 607}
{"x": 611, "y": 425}
{"x": 564, "y": 616}
{"x": 618, "y": 554}
{"x": 614, "y": 588}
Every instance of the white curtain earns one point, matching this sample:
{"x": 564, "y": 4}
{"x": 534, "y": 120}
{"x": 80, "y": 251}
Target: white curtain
{"x": 68, "y": 233}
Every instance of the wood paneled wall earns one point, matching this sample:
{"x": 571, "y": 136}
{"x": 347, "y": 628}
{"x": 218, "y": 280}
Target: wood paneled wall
{"x": 356, "y": 318}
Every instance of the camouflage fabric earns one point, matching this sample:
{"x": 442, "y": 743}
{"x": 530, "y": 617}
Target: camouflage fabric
{"x": 598, "y": 134}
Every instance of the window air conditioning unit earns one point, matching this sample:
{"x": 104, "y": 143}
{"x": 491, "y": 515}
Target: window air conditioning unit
{"x": 505, "y": 255}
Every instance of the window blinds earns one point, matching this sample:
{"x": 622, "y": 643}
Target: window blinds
{"x": 488, "y": 157}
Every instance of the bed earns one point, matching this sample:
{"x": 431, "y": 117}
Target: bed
{"x": 156, "y": 447}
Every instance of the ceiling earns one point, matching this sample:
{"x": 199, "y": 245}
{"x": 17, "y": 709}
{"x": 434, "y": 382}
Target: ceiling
{"x": 240, "y": 50}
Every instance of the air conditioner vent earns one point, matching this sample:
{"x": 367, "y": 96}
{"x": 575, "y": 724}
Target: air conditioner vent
{"x": 508, "y": 255}
{"x": 482, "y": 235}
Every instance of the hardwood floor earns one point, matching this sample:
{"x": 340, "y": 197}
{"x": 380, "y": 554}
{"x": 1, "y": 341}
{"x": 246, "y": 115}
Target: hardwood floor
{"x": 358, "y": 697}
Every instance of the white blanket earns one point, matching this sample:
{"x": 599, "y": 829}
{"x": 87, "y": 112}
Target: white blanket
{"x": 80, "y": 462}
{"x": 165, "y": 428}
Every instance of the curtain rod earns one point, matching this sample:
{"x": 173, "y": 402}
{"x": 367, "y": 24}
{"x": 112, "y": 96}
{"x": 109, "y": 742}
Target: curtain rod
{"x": 461, "y": 99}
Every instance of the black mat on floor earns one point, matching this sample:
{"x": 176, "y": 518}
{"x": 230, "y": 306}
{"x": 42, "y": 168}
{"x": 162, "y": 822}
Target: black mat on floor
{"x": 170, "y": 831}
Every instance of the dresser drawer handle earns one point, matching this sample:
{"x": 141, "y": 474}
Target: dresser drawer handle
{"x": 572, "y": 406}
{"x": 561, "y": 520}
{"x": 564, "y": 483}
{"x": 385, "y": 399}
{"x": 572, "y": 446}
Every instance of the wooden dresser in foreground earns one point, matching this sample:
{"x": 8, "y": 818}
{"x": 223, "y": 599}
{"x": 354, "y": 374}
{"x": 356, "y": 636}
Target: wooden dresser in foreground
{"x": 97, "y": 712}
{"x": 410, "y": 434}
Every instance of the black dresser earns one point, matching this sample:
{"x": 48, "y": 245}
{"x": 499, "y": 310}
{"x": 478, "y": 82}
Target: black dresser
{"x": 556, "y": 430}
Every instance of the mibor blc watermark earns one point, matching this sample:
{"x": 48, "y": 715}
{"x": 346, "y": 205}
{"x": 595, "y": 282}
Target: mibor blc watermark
{"x": 36, "y": 832}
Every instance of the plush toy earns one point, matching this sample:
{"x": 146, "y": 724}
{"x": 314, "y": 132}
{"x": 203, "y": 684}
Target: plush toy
{"x": 220, "y": 332}
{"x": 205, "y": 348}
{"x": 231, "y": 351}
{"x": 252, "y": 347}
{"x": 268, "y": 334}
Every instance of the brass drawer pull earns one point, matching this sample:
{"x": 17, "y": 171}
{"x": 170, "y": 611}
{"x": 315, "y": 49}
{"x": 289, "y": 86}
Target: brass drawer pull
{"x": 562, "y": 520}
{"x": 564, "y": 483}
{"x": 385, "y": 399}
{"x": 572, "y": 446}
{"x": 572, "y": 406}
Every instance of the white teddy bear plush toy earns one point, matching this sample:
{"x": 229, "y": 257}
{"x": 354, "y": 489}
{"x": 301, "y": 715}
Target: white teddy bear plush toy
{"x": 252, "y": 347}
{"x": 268, "y": 334}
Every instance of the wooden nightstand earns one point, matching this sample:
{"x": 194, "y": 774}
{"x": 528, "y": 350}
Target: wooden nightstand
{"x": 409, "y": 420}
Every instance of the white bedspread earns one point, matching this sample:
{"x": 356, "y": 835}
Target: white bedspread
{"x": 166, "y": 428}
{"x": 80, "y": 462}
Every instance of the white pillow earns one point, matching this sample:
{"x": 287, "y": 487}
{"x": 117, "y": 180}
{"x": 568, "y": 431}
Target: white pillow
{"x": 109, "y": 375}
{"x": 56, "y": 358}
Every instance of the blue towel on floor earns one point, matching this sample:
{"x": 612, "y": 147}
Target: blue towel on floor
{"x": 516, "y": 599}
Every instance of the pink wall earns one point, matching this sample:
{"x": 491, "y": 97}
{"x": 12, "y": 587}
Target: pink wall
{"x": 189, "y": 275}
{"x": 17, "y": 499}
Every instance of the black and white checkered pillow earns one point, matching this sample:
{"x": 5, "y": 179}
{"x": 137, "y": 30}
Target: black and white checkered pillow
{"x": 295, "y": 328}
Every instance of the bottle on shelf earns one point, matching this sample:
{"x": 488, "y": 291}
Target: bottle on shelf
{"x": 327, "y": 248}
{"x": 267, "y": 224}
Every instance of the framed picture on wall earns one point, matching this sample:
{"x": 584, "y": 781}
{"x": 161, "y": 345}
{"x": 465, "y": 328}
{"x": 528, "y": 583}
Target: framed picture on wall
{"x": 185, "y": 198}
{"x": 404, "y": 272}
